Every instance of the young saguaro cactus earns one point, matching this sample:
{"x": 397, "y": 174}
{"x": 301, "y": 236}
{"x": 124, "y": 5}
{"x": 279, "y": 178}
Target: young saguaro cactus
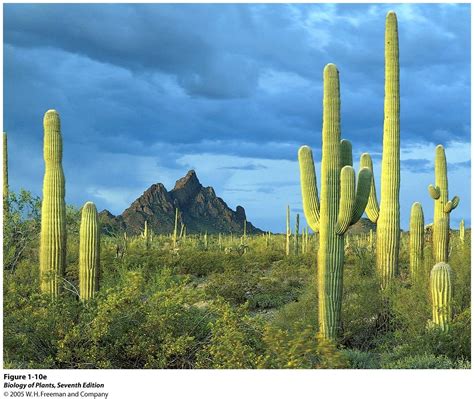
{"x": 417, "y": 239}
{"x": 89, "y": 252}
{"x": 462, "y": 231}
{"x": 5, "y": 175}
{"x": 288, "y": 231}
{"x": 340, "y": 205}
{"x": 442, "y": 207}
{"x": 441, "y": 295}
{"x": 297, "y": 234}
{"x": 53, "y": 209}
{"x": 387, "y": 216}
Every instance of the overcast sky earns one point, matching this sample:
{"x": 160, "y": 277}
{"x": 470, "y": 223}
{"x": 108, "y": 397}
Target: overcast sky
{"x": 147, "y": 92}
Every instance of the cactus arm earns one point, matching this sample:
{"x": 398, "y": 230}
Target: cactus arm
{"x": 364, "y": 184}
{"x": 372, "y": 209}
{"x": 434, "y": 191}
{"x": 346, "y": 153}
{"x": 347, "y": 199}
{"x": 450, "y": 205}
{"x": 309, "y": 188}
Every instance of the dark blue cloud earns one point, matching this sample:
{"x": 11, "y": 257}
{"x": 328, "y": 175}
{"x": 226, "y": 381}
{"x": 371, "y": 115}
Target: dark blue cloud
{"x": 163, "y": 81}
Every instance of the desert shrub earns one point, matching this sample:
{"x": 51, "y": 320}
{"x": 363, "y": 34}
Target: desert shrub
{"x": 426, "y": 361}
{"x": 21, "y": 227}
{"x": 361, "y": 307}
{"x": 300, "y": 348}
{"x": 235, "y": 339}
{"x": 361, "y": 360}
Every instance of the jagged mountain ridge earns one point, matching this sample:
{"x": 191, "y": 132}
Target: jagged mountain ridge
{"x": 200, "y": 210}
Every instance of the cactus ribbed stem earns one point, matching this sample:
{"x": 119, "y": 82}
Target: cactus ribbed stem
{"x": 336, "y": 211}
{"x": 441, "y": 295}
{"x": 417, "y": 239}
{"x": 89, "y": 252}
{"x": 346, "y": 153}
{"x": 442, "y": 207}
{"x": 388, "y": 223}
{"x": 53, "y": 209}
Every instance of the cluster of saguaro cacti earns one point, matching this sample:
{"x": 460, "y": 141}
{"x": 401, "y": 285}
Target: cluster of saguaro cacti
{"x": 442, "y": 207}
{"x": 5, "y": 175}
{"x": 89, "y": 252}
{"x": 339, "y": 207}
{"x": 53, "y": 209}
{"x": 288, "y": 231}
{"x": 417, "y": 240}
{"x": 441, "y": 295}
{"x": 387, "y": 216}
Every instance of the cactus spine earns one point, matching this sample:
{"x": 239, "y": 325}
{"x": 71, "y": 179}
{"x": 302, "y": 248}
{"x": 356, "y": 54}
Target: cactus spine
{"x": 442, "y": 207}
{"x": 341, "y": 205}
{"x": 5, "y": 176}
{"x": 441, "y": 295}
{"x": 288, "y": 231}
{"x": 53, "y": 209}
{"x": 89, "y": 252}
{"x": 417, "y": 239}
{"x": 387, "y": 216}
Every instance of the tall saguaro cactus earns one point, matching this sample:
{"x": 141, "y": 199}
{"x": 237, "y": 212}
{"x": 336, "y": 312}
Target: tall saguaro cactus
{"x": 417, "y": 239}
{"x": 89, "y": 252}
{"x": 441, "y": 295}
{"x": 442, "y": 207}
{"x": 341, "y": 205}
{"x": 387, "y": 216}
{"x": 53, "y": 209}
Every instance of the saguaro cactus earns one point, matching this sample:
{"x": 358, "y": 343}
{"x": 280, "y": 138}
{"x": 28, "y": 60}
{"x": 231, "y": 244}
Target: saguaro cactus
{"x": 53, "y": 209}
{"x": 441, "y": 295}
{"x": 89, "y": 252}
{"x": 288, "y": 231}
{"x": 417, "y": 239}
{"x": 175, "y": 231}
{"x": 341, "y": 205}
{"x": 461, "y": 231}
{"x": 442, "y": 207}
{"x": 5, "y": 175}
{"x": 297, "y": 233}
{"x": 146, "y": 235}
{"x": 387, "y": 216}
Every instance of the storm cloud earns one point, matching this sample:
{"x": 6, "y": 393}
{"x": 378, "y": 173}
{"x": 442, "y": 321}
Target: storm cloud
{"x": 146, "y": 91}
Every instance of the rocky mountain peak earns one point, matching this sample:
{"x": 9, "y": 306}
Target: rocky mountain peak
{"x": 200, "y": 209}
{"x": 186, "y": 188}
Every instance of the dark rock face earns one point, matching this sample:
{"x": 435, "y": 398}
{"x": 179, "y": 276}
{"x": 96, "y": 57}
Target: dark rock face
{"x": 199, "y": 209}
{"x": 362, "y": 226}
